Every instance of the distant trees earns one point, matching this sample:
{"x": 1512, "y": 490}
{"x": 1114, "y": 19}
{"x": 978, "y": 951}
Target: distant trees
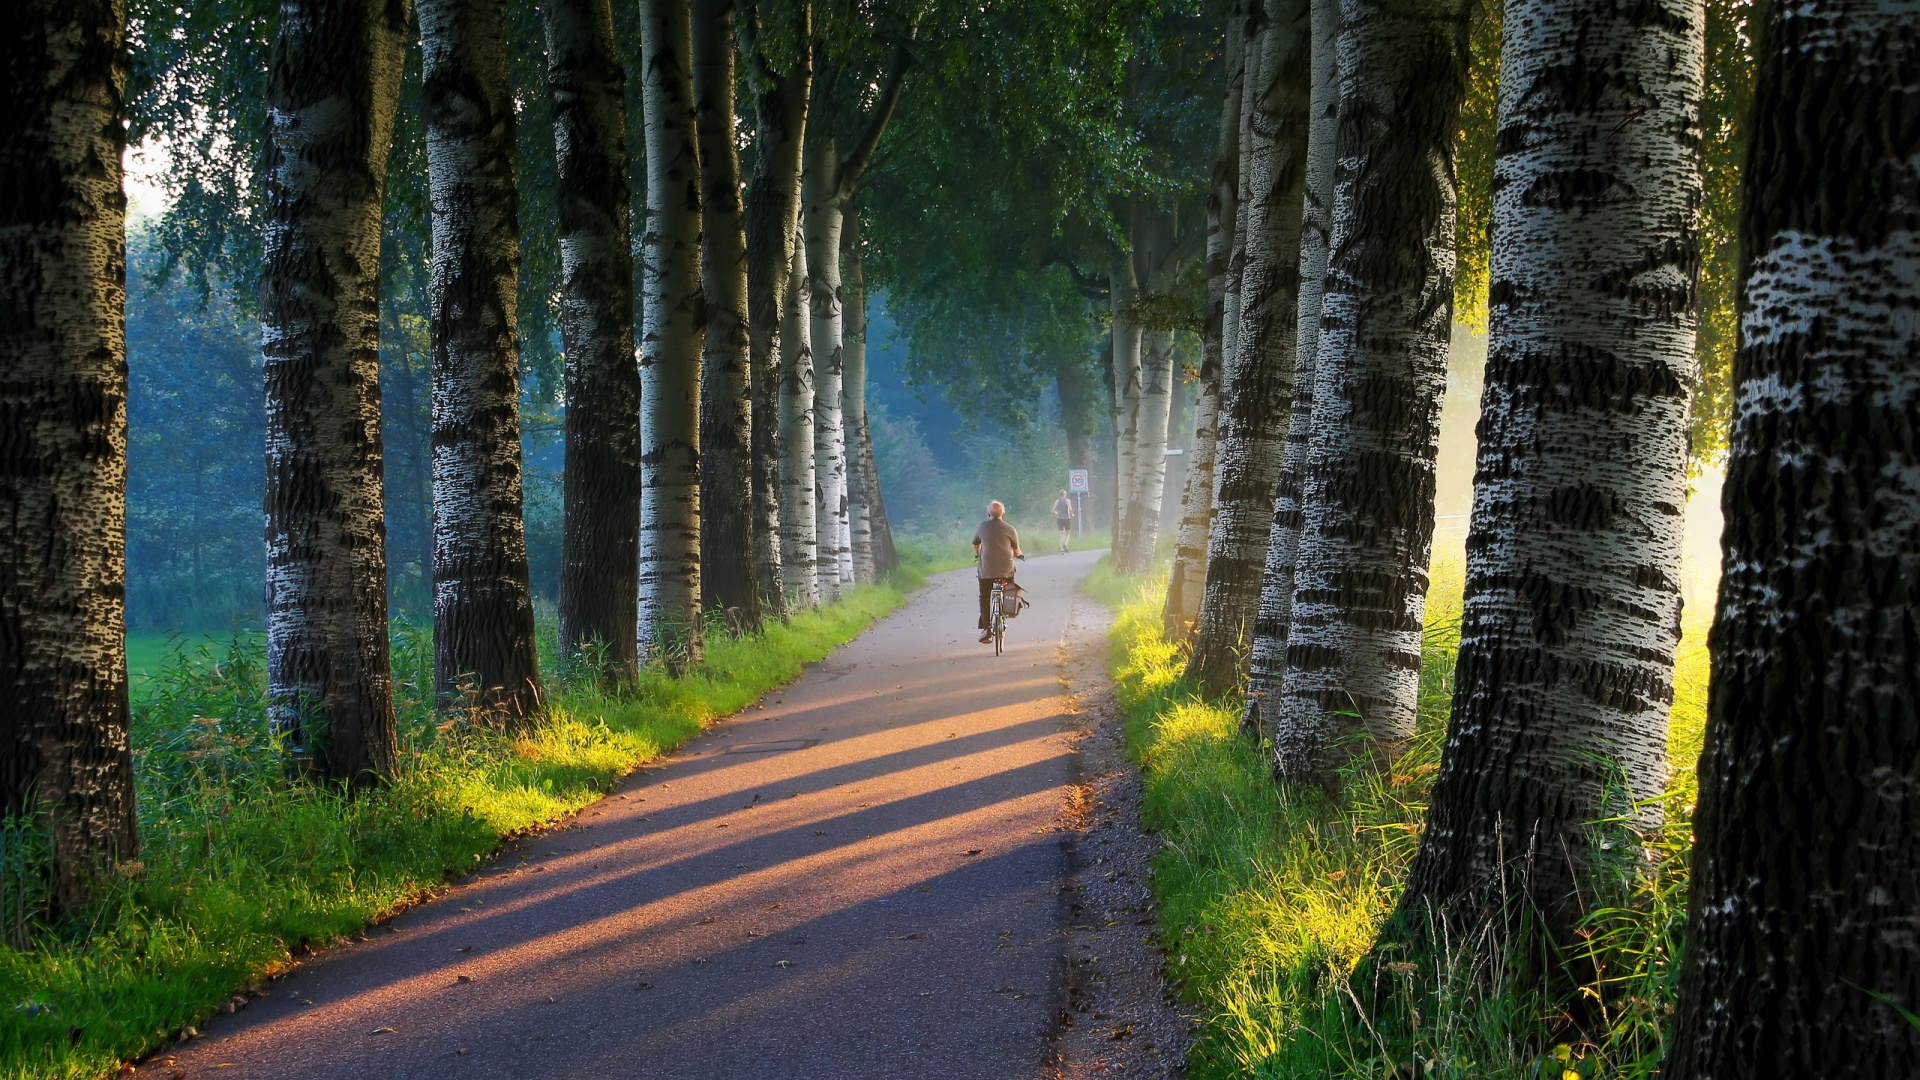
{"x": 599, "y": 582}
{"x": 333, "y": 89}
{"x": 1801, "y": 953}
{"x": 483, "y": 634}
{"x": 1565, "y": 672}
{"x": 64, "y": 758}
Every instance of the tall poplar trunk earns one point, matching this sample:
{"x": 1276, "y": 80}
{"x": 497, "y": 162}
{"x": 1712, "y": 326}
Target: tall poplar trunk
{"x": 727, "y": 576}
{"x": 1802, "y": 957}
{"x": 862, "y": 486}
{"x": 1071, "y": 383}
{"x": 64, "y": 759}
{"x": 1152, "y": 412}
{"x": 1257, "y": 386}
{"x": 332, "y": 93}
{"x": 1124, "y": 364}
{"x": 1187, "y": 580}
{"x": 799, "y": 551}
{"x": 772, "y": 221}
{"x": 822, "y": 218}
{"x": 1360, "y": 586}
{"x": 600, "y": 545}
{"x": 1565, "y": 673}
{"x": 1267, "y": 659}
{"x": 483, "y": 637}
{"x": 670, "y": 348}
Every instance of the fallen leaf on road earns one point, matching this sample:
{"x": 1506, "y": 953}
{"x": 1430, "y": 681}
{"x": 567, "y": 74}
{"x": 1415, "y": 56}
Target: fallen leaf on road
{"x": 381, "y": 1031}
{"x": 783, "y": 963}
{"x": 971, "y": 851}
{"x": 464, "y": 979}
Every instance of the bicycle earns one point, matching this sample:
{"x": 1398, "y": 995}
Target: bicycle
{"x": 997, "y": 611}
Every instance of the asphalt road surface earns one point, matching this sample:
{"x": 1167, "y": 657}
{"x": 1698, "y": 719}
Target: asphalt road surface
{"x": 859, "y": 878}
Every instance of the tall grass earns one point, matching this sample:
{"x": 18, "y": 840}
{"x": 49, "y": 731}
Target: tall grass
{"x": 1270, "y": 899}
{"x": 241, "y": 869}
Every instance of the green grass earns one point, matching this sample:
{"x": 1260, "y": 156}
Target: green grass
{"x": 240, "y": 869}
{"x": 1269, "y": 900}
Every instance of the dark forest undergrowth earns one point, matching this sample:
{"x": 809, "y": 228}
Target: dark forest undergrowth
{"x": 242, "y": 869}
{"x": 1271, "y": 900}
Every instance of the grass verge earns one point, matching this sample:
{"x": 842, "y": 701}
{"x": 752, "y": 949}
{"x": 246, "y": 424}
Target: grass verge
{"x": 241, "y": 870}
{"x": 1268, "y": 899}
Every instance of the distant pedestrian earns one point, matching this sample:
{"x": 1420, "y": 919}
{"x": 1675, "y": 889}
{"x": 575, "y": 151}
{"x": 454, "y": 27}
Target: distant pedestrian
{"x": 1063, "y": 518}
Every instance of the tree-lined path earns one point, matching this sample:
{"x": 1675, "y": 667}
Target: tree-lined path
{"x": 861, "y": 878}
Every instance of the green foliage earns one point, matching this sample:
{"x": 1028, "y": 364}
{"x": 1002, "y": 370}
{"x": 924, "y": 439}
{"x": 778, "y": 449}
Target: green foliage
{"x": 1270, "y": 900}
{"x": 1728, "y": 99}
{"x": 243, "y": 868}
{"x": 1473, "y": 158}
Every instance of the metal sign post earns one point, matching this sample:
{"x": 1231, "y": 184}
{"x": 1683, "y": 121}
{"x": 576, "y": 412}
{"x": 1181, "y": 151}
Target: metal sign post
{"x": 1077, "y": 484}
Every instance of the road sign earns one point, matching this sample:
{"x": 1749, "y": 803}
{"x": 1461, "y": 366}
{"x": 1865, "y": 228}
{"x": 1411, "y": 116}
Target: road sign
{"x": 1077, "y": 481}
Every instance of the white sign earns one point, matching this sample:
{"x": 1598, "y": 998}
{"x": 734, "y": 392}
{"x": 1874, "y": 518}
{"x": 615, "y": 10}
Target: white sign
{"x": 1077, "y": 481}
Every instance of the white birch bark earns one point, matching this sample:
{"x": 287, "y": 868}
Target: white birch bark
{"x": 1151, "y": 413}
{"x": 1802, "y": 954}
{"x": 1360, "y": 586}
{"x": 822, "y": 218}
{"x": 1126, "y": 337}
{"x": 1267, "y": 660}
{"x": 484, "y": 647}
{"x": 1187, "y": 579}
{"x": 798, "y": 551}
{"x": 1572, "y": 613}
{"x": 1257, "y": 385}
{"x": 670, "y": 347}
{"x": 862, "y": 486}
{"x": 64, "y": 755}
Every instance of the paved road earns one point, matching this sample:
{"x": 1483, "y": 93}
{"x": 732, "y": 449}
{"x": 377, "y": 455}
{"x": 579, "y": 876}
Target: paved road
{"x": 858, "y": 879}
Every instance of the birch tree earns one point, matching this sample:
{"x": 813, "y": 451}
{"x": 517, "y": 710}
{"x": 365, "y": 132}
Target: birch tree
{"x": 333, "y": 90}
{"x": 670, "y": 347}
{"x": 1565, "y": 673}
{"x": 1187, "y": 580}
{"x": 1267, "y": 657}
{"x": 863, "y": 481}
{"x": 1124, "y": 340}
{"x": 799, "y": 547}
{"x": 828, "y": 186}
{"x": 1353, "y": 641}
{"x": 772, "y": 223}
{"x": 600, "y": 544}
{"x": 1152, "y": 411}
{"x": 1801, "y": 954}
{"x": 1257, "y": 384}
{"x": 727, "y": 575}
{"x": 64, "y": 759}
{"x": 483, "y": 637}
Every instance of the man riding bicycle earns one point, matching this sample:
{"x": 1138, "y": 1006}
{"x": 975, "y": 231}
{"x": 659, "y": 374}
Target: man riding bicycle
{"x": 995, "y": 544}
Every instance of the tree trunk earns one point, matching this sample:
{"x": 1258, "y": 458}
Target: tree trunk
{"x": 727, "y": 577}
{"x": 64, "y": 758}
{"x": 1187, "y": 580}
{"x": 1257, "y": 385}
{"x": 799, "y": 552}
{"x": 1125, "y": 365}
{"x": 1151, "y": 415}
{"x": 333, "y": 91}
{"x": 823, "y": 216}
{"x": 772, "y": 220}
{"x": 483, "y": 637}
{"x": 1267, "y": 660}
{"x": 862, "y": 489}
{"x": 1360, "y": 590}
{"x": 599, "y": 582}
{"x": 1802, "y": 957}
{"x": 1572, "y": 615}
{"x": 671, "y": 346}
{"x": 1070, "y": 382}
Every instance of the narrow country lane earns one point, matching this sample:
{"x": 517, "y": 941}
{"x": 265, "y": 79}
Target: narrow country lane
{"x": 860, "y": 878}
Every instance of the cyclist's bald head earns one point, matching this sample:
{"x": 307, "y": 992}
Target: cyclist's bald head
{"x": 996, "y": 508}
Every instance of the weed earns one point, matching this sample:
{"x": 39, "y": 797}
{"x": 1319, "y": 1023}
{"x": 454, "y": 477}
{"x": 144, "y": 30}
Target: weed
{"x": 1271, "y": 899}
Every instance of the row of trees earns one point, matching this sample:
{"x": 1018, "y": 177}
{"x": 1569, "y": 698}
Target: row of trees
{"x": 1331, "y": 273}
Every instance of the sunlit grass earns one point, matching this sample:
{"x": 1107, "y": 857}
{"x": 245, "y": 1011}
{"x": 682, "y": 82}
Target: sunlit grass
{"x": 1269, "y": 900}
{"x": 241, "y": 868}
